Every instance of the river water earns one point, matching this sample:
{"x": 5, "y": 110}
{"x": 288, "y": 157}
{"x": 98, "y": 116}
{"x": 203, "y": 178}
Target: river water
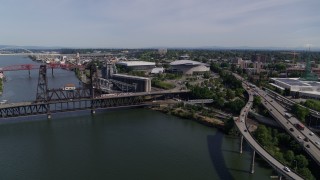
{"x": 118, "y": 144}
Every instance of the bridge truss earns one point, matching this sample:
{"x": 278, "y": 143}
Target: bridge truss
{"x": 50, "y": 101}
{"x": 69, "y": 105}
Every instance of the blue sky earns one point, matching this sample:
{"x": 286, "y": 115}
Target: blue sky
{"x": 166, "y": 23}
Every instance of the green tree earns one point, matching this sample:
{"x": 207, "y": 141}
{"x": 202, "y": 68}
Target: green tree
{"x": 312, "y": 104}
{"x": 230, "y": 94}
{"x": 239, "y": 92}
{"x": 206, "y": 75}
{"x": 289, "y": 156}
{"x": 229, "y": 125}
{"x": 256, "y": 101}
{"x": 306, "y": 173}
{"x": 236, "y": 105}
{"x": 220, "y": 102}
{"x": 280, "y": 67}
{"x": 302, "y": 161}
{"x": 201, "y": 92}
{"x": 263, "y": 136}
{"x": 300, "y": 112}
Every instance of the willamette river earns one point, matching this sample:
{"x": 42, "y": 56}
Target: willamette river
{"x": 119, "y": 144}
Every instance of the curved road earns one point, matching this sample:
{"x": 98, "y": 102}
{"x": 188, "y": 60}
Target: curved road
{"x": 241, "y": 124}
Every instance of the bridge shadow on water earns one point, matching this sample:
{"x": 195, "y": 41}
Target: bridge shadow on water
{"x": 216, "y": 155}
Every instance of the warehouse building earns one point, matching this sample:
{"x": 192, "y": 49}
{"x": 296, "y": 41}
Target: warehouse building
{"x": 298, "y": 87}
{"x": 142, "y": 84}
{"x": 137, "y": 65}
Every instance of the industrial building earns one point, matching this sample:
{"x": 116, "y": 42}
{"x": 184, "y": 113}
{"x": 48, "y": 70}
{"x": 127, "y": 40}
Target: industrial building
{"x": 137, "y": 65}
{"x": 298, "y": 87}
{"x": 189, "y": 67}
{"x": 142, "y": 84}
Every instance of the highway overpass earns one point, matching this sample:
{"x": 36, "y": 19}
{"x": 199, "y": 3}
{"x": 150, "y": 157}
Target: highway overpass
{"x": 242, "y": 126}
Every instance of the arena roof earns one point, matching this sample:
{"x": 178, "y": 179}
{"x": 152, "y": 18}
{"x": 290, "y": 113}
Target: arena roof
{"x": 136, "y": 63}
{"x": 292, "y": 82}
{"x": 187, "y": 62}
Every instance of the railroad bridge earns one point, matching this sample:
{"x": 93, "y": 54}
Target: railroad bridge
{"x": 49, "y": 101}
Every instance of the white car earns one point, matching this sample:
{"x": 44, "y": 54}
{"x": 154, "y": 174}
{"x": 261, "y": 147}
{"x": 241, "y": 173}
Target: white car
{"x": 286, "y": 169}
{"x": 299, "y": 137}
{"x": 311, "y": 134}
{"x": 317, "y": 143}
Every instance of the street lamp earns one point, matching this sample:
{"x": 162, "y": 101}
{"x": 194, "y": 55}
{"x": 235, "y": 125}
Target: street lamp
{"x": 296, "y": 164}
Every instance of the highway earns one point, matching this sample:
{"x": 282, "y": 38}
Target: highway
{"x": 241, "y": 125}
{"x": 312, "y": 143}
{"x": 289, "y": 102}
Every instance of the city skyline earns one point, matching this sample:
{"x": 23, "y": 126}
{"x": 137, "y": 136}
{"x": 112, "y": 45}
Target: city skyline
{"x": 151, "y": 23}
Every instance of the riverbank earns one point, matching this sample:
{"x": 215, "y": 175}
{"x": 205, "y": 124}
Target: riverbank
{"x": 197, "y": 116}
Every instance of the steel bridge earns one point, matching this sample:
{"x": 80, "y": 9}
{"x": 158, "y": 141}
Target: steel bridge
{"x": 50, "y": 101}
{"x": 65, "y": 103}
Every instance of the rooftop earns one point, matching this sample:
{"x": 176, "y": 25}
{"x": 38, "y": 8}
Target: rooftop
{"x": 187, "y": 62}
{"x": 297, "y": 82}
{"x": 129, "y": 76}
{"x": 136, "y": 63}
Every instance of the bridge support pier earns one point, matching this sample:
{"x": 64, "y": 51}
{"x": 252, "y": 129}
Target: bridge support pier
{"x": 29, "y": 73}
{"x": 252, "y": 162}
{"x": 241, "y": 142}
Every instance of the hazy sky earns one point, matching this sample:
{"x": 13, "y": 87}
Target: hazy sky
{"x": 167, "y": 23}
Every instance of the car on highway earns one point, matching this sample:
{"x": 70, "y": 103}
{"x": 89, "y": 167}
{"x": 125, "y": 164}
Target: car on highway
{"x": 317, "y": 143}
{"x": 286, "y": 169}
{"x": 245, "y": 130}
{"x": 241, "y": 120}
{"x": 306, "y": 139}
{"x": 311, "y": 134}
{"x": 271, "y": 100}
{"x": 291, "y": 129}
{"x": 299, "y": 137}
{"x": 308, "y": 146}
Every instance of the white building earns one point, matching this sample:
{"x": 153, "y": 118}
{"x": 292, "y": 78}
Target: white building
{"x": 189, "y": 67}
{"x": 157, "y": 70}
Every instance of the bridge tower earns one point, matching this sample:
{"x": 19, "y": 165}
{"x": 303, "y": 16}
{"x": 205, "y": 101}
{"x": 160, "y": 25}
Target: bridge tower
{"x": 42, "y": 87}
{"x": 108, "y": 70}
{"x": 93, "y": 85}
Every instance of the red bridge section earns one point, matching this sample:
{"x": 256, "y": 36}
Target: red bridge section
{"x": 19, "y": 67}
